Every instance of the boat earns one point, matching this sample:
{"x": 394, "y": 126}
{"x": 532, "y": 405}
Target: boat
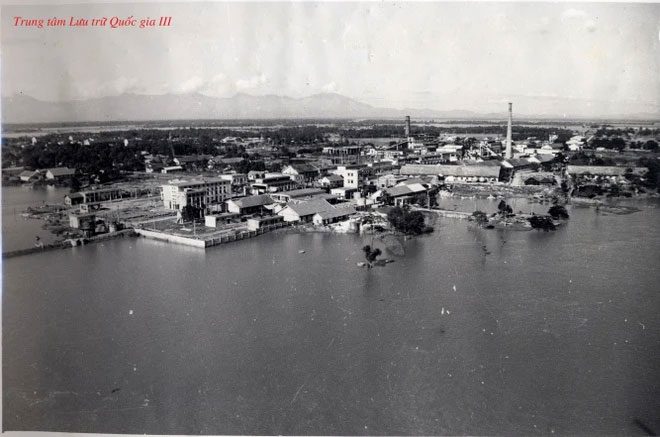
{"x": 301, "y": 251}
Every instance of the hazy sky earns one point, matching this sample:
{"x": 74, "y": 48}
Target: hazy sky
{"x": 550, "y": 58}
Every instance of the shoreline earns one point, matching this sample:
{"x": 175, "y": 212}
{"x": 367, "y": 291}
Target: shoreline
{"x": 68, "y": 244}
{"x": 609, "y": 205}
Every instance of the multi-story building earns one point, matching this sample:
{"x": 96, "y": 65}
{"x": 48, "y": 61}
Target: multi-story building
{"x": 301, "y": 173}
{"x": 196, "y": 192}
{"x": 340, "y": 154}
{"x": 272, "y": 183}
{"x": 236, "y": 179}
{"x": 354, "y": 175}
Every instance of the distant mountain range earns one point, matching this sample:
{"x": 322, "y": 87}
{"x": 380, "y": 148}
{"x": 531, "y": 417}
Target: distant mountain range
{"x": 137, "y": 107}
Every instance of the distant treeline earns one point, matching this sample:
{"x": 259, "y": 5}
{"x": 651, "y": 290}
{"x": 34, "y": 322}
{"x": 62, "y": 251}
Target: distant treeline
{"x": 519, "y": 132}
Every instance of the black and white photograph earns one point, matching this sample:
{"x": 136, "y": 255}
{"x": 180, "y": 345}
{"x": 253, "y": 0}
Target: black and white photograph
{"x": 379, "y": 218}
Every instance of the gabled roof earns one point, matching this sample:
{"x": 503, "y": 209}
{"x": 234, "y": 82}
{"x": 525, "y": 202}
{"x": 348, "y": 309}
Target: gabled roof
{"x": 544, "y": 157}
{"x": 485, "y": 163}
{"x": 518, "y": 162}
{"x": 61, "y": 171}
{"x": 187, "y": 158}
{"x": 333, "y": 177}
{"x": 301, "y": 192}
{"x": 405, "y": 190}
{"x": 252, "y": 201}
{"x": 336, "y": 212}
{"x": 309, "y": 207}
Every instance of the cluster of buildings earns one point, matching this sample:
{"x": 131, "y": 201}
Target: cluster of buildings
{"x": 349, "y": 178}
{"x": 54, "y": 175}
{"x": 336, "y": 181}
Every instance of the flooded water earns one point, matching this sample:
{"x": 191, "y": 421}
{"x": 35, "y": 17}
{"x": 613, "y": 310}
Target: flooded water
{"x": 471, "y": 332}
{"x": 19, "y": 232}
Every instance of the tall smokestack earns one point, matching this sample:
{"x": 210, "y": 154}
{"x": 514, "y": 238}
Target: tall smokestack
{"x": 406, "y": 130}
{"x": 508, "y": 154}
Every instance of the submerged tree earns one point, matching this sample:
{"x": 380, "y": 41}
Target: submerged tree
{"x": 558, "y": 212}
{"x": 480, "y": 217}
{"x": 371, "y": 254}
{"x": 504, "y": 208}
{"x": 543, "y": 222}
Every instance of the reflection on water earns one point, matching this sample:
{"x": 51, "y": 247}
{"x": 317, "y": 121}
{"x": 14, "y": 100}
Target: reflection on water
{"x": 550, "y": 332}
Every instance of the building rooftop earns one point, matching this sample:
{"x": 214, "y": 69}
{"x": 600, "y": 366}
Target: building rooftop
{"x": 252, "y": 201}
{"x": 476, "y": 170}
{"x": 309, "y": 207}
{"x": 336, "y": 212}
{"x": 181, "y": 183}
{"x": 303, "y": 168}
{"x": 405, "y": 190}
{"x": 61, "y": 171}
{"x": 29, "y": 172}
{"x": 302, "y": 192}
{"x": 515, "y": 163}
{"x": 333, "y": 177}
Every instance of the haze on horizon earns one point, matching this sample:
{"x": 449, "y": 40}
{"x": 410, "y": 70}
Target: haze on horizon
{"x": 589, "y": 59}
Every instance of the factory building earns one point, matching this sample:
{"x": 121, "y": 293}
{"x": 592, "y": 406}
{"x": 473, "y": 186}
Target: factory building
{"x": 199, "y": 193}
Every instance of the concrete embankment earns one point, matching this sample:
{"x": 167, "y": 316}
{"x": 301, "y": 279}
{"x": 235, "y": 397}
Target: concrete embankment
{"x": 205, "y": 241}
{"x": 67, "y": 244}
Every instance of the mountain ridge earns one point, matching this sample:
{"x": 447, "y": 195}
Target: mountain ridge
{"x": 22, "y": 108}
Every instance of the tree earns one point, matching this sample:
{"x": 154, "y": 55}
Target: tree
{"x": 558, "y": 212}
{"x": 480, "y": 217}
{"x": 74, "y": 184}
{"x": 406, "y": 221}
{"x": 190, "y": 213}
{"x": 543, "y": 222}
{"x": 504, "y": 208}
{"x": 651, "y": 145}
{"x": 371, "y": 254}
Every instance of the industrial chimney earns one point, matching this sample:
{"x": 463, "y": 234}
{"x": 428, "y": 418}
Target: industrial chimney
{"x": 508, "y": 154}
{"x": 407, "y": 127}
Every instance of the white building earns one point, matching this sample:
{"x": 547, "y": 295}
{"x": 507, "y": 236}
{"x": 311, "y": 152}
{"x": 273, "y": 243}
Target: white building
{"x": 196, "y": 192}
{"x": 575, "y": 143}
{"x": 353, "y": 175}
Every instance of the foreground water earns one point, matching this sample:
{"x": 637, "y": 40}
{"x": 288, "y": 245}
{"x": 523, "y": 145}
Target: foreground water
{"x": 471, "y": 332}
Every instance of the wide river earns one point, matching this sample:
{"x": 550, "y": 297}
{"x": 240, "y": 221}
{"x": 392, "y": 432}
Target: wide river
{"x": 470, "y": 332}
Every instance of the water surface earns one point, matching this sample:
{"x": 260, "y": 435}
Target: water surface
{"x": 548, "y": 333}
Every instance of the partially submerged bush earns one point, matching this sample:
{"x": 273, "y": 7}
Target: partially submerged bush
{"x": 558, "y": 212}
{"x": 543, "y": 222}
